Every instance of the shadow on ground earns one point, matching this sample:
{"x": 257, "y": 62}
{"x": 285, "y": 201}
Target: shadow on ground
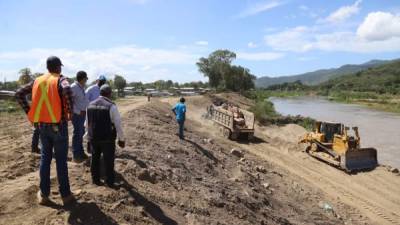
{"x": 152, "y": 209}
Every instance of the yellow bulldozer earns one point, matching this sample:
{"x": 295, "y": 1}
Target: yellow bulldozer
{"x": 332, "y": 143}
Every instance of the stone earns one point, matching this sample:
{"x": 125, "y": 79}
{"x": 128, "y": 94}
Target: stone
{"x": 394, "y": 170}
{"x": 236, "y": 152}
{"x": 145, "y": 176}
{"x": 261, "y": 169}
{"x": 142, "y": 211}
{"x": 116, "y": 204}
{"x": 266, "y": 185}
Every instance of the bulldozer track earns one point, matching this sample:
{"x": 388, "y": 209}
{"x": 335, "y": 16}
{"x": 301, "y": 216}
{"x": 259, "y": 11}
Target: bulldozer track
{"x": 367, "y": 205}
{"x": 314, "y": 175}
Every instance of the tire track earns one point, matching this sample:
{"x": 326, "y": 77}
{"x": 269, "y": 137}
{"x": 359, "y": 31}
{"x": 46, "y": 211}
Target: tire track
{"x": 315, "y": 176}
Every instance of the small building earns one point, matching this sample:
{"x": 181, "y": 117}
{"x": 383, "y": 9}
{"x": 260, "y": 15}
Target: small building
{"x": 4, "y": 94}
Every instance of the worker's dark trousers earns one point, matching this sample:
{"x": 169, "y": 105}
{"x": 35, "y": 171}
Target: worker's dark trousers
{"x": 108, "y": 150}
{"x": 181, "y": 124}
{"x": 78, "y": 121}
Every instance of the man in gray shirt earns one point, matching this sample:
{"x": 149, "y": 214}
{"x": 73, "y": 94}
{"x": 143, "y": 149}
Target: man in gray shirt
{"x": 79, "y": 115}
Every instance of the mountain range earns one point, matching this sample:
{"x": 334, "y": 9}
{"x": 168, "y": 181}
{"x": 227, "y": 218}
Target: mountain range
{"x": 319, "y": 76}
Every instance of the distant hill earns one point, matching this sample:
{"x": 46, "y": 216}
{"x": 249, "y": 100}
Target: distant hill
{"x": 381, "y": 79}
{"x": 319, "y": 76}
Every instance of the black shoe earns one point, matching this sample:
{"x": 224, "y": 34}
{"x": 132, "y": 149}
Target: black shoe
{"x": 36, "y": 150}
{"x": 80, "y": 158}
{"x": 84, "y": 156}
{"x": 97, "y": 182}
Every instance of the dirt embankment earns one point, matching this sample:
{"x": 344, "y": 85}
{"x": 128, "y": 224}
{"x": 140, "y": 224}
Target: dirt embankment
{"x": 197, "y": 181}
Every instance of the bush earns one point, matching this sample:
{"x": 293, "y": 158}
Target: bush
{"x": 8, "y": 106}
{"x": 264, "y": 111}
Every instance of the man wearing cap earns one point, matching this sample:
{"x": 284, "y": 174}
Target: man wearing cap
{"x": 49, "y": 111}
{"x": 104, "y": 126}
{"x": 79, "y": 115}
{"x": 93, "y": 92}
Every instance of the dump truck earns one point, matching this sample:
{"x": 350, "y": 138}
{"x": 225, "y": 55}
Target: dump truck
{"x": 332, "y": 143}
{"x": 233, "y": 124}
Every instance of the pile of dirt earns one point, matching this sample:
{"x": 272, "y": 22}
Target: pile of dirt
{"x": 15, "y": 137}
{"x": 234, "y": 99}
{"x": 163, "y": 180}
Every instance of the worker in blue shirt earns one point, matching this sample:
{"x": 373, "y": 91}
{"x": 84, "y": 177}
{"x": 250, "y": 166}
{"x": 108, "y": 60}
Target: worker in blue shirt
{"x": 180, "y": 112}
{"x": 93, "y": 92}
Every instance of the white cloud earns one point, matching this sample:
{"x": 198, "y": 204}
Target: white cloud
{"x": 259, "y": 8}
{"x": 251, "y": 45}
{"x": 304, "y": 7}
{"x": 379, "y": 26}
{"x": 344, "y": 12}
{"x": 304, "y": 39}
{"x": 135, "y": 62}
{"x": 259, "y": 56}
{"x": 202, "y": 43}
{"x": 294, "y": 39}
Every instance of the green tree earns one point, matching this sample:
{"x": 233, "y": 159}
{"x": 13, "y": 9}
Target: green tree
{"x": 119, "y": 83}
{"x": 216, "y": 66}
{"x": 222, "y": 75}
{"x": 169, "y": 84}
{"x": 239, "y": 79}
{"x": 25, "y": 76}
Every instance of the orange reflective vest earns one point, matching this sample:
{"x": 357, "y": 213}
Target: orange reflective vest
{"x": 46, "y": 104}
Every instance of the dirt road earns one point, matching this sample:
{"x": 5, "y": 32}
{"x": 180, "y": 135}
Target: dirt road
{"x": 374, "y": 195}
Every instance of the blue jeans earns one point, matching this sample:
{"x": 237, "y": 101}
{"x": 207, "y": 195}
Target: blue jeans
{"x": 57, "y": 139}
{"x": 35, "y": 138}
{"x": 78, "y": 122}
{"x": 181, "y": 128}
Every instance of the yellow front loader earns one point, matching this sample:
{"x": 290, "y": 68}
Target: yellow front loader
{"x": 332, "y": 143}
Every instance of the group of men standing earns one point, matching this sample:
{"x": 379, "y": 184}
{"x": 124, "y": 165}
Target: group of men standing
{"x": 54, "y": 103}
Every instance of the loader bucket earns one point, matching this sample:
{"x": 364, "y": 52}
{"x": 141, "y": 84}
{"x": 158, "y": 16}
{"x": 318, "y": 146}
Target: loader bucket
{"x": 359, "y": 159}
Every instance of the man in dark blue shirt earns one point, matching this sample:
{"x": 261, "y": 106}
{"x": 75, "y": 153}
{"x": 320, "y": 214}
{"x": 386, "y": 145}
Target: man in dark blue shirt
{"x": 180, "y": 112}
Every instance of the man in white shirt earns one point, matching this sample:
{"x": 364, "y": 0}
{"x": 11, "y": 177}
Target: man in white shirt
{"x": 104, "y": 126}
{"x": 80, "y": 103}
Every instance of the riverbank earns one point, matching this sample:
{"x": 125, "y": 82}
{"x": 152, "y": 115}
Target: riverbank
{"x": 382, "y": 102}
{"x": 266, "y": 114}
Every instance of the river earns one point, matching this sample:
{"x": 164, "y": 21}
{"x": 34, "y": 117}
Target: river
{"x": 378, "y": 129}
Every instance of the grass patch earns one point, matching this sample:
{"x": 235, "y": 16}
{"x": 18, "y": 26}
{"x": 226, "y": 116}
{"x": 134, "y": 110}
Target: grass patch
{"x": 265, "y": 113}
{"x": 8, "y": 106}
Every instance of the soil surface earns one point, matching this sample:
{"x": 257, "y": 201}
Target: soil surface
{"x": 199, "y": 180}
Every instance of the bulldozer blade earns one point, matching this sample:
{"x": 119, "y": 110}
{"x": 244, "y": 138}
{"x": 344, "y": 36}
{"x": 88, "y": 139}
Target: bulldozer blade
{"x": 359, "y": 159}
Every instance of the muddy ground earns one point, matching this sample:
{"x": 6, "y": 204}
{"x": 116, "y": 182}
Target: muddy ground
{"x": 163, "y": 180}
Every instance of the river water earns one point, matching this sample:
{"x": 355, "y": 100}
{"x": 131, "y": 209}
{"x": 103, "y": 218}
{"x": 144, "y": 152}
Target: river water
{"x": 378, "y": 129}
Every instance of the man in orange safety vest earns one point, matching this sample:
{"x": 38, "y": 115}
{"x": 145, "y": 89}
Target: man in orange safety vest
{"x": 49, "y": 112}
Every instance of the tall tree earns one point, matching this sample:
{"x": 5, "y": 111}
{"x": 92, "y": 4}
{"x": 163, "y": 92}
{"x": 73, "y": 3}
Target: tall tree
{"x": 25, "y": 76}
{"x": 221, "y": 74}
{"x": 216, "y": 66}
{"x": 119, "y": 83}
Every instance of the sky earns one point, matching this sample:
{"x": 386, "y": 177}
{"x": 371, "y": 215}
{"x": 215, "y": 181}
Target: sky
{"x": 148, "y": 40}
